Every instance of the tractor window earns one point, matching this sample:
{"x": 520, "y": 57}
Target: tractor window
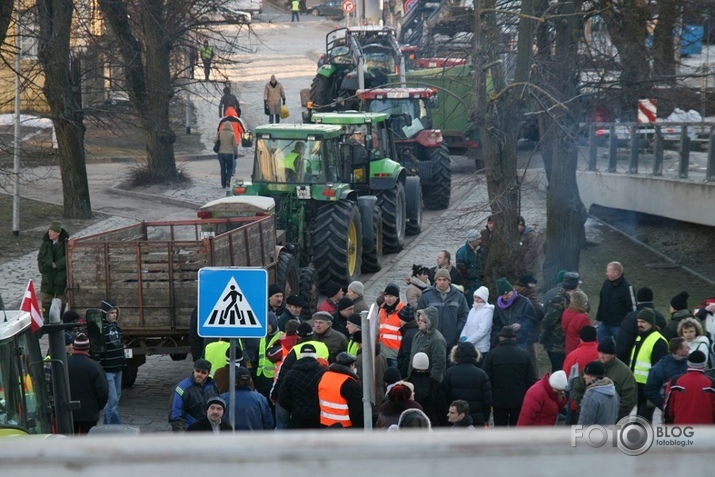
{"x": 416, "y": 108}
{"x": 289, "y": 161}
{"x": 22, "y": 385}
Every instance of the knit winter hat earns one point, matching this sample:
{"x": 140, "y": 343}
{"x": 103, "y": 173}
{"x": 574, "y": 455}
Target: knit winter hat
{"x": 274, "y": 289}
{"x": 406, "y": 314}
{"x": 355, "y": 319}
{"x": 304, "y": 330}
{"x": 420, "y": 362}
{"x": 70, "y": 316}
{"x": 238, "y": 354}
{"x": 483, "y": 293}
{"x": 392, "y": 375}
{"x": 559, "y": 381}
{"x": 680, "y": 301}
{"x": 323, "y": 315}
{"x": 357, "y": 287}
{"x": 332, "y": 289}
{"x": 696, "y": 360}
{"x": 392, "y": 290}
{"x": 607, "y": 346}
{"x": 344, "y": 303}
{"x": 508, "y": 333}
{"x": 216, "y": 400}
{"x": 595, "y": 369}
{"x": 528, "y": 279}
{"x": 560, "y": 276}
{"x": 644, "y": 294}
{"x": 503, "y": 286}
{"x": 442, "y": 273}
{"x": 81, "y": 343}
{"x": 647, "y": 315}
{"x": 55, "y": 227}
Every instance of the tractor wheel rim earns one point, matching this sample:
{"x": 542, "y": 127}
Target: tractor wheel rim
{"x": 352, "y": 249}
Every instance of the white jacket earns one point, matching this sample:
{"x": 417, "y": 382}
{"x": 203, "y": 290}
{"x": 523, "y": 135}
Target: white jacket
{"x": 478, "y": 328}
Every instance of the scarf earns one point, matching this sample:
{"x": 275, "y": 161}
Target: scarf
{"x": 419, "y": 283}
{"x": 504, "y": 305}
{"x": 390, "y": 309}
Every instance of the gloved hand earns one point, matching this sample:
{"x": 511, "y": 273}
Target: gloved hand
{"x": 284, "y": 101}
{"x": 265, "y": 103}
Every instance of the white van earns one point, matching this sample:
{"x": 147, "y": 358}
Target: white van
{"x": 253, "y": 6}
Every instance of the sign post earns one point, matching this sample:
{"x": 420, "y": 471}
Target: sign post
{"x": 348, "y": 8}
{"x": 233, "y": 303}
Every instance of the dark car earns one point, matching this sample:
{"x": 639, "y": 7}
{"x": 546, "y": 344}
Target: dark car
{"x": 331, "y": 8}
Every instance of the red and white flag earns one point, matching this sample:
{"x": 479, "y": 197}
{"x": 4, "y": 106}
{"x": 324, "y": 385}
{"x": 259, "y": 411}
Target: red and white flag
{"x": 29, "y": 304}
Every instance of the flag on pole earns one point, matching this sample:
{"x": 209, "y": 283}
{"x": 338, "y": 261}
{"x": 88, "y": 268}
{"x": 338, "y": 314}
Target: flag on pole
{"x": 30, "y": 305}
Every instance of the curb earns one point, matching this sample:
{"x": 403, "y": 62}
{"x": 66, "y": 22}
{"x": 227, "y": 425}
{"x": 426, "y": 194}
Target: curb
{"x": 155, "y": 198}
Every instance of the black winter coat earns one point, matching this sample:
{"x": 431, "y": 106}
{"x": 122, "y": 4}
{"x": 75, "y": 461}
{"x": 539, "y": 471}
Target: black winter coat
{"x": 54, "y": 278}
{"x": 511, "y": 374}
{"x": 204, "y": 425}
{"x": 430, "y": 395}
{"x": 468, "y": 382}
{"x": 88, "y": 385}
{"x": 299, "y": 394}
{"x": 408, "y": 332}
{"x": 616, "y": 300}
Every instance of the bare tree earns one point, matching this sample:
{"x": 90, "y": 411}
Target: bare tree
{"x": 6, "y": 7}
{"x": 60, "y": 88}
{"x": 498, "y": 117}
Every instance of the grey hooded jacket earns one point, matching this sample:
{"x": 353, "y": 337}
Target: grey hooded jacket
{"x": 431, "y": 342}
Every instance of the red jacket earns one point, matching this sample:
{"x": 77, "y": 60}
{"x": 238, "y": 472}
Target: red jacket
{"x": 582, "y": 355}
{"x": 690, "y": 399}
{"x": 541, "y": 405}
{"x": 571, "y": 322}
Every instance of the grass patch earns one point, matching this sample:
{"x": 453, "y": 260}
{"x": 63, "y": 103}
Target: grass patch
{"x": 35, "y": 217}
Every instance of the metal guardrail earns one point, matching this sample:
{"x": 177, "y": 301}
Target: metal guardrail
{"x": 654, "y": 134}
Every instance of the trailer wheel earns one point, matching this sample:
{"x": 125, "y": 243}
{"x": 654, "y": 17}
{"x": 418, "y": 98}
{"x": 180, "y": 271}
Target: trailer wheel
{"x": 287, "y": 274}
{"x": 309, "y": 290}
{"x": 372, "y": 260}
{"x": 337, "y": 239}
{"x": 321, "y": 91}
{"x": 437, "y": 193}
{"x": 413, "y": 195}
{"x": 178, "y": 356}
{"x": 394, "y": 217}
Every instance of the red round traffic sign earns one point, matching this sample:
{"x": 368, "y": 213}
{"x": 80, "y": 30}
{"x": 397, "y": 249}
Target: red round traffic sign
{"x": 348, "y": 6}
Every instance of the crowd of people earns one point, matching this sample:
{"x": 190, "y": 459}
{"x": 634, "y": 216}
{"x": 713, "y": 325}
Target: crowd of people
{"x": 439, "y": 360}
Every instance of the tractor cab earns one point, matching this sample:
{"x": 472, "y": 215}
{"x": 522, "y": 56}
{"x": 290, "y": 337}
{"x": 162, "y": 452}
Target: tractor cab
{"x": 296, "y": 154}
{"x": 409, "y": 108}
{"x": 24, "y": 403}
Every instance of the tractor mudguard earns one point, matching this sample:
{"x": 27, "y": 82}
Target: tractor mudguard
{"x": 384, "y": 173}
{"x": 326, "y": 70}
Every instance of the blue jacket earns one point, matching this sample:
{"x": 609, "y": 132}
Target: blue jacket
{"x": 188, "y": 402}
{"x": 251, "y": 410}
{"x": 452, "y": 309}
{"x": 663, "y": 371}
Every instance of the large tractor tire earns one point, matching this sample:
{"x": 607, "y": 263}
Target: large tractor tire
{"x": 394, "y": 217}
{"x": 321, "y": 91}
{"x": 438, "y": 192}
{"x": 309, "y": 291}
{"x": 413, "y": 196}
{"x": 287, "y": 274}
{"x": 131, "y": 369}
{"x": 372, "y": 260}
{"x": 337, "y": 239}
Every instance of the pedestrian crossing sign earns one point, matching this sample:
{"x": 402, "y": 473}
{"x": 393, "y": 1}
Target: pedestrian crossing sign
{"x": 233, "y": 302}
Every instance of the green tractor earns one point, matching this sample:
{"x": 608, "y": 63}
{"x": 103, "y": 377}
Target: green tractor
{"x": 333, "y": 198}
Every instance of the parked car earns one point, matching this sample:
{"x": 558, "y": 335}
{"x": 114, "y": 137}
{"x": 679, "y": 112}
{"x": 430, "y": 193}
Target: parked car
{"x": 229, "y": 13}
{"x": 331, "y": 8}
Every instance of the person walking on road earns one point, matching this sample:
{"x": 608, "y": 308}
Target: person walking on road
{"x": 207, "y": 55}
{"x": 227, "y": 151}
{"x": 295, "y": 11}
{"x": 88, "y": 385}
{"x": 228, "y": 100}
{"x": 51, "y": 263}
{"x": 273, "y": 94}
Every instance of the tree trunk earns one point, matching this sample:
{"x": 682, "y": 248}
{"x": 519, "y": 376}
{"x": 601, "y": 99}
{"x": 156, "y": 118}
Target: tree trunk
{"x": 627, "y": 27}
{"x": 146, "y": 68}
{"x": 60, "y": 89}
{"x": 664, "y": 65}
{"x": 566, "y": 213}
{"x": 498, "y": 119}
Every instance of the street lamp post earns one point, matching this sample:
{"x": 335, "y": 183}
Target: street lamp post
{"x": 17, "y": 158}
